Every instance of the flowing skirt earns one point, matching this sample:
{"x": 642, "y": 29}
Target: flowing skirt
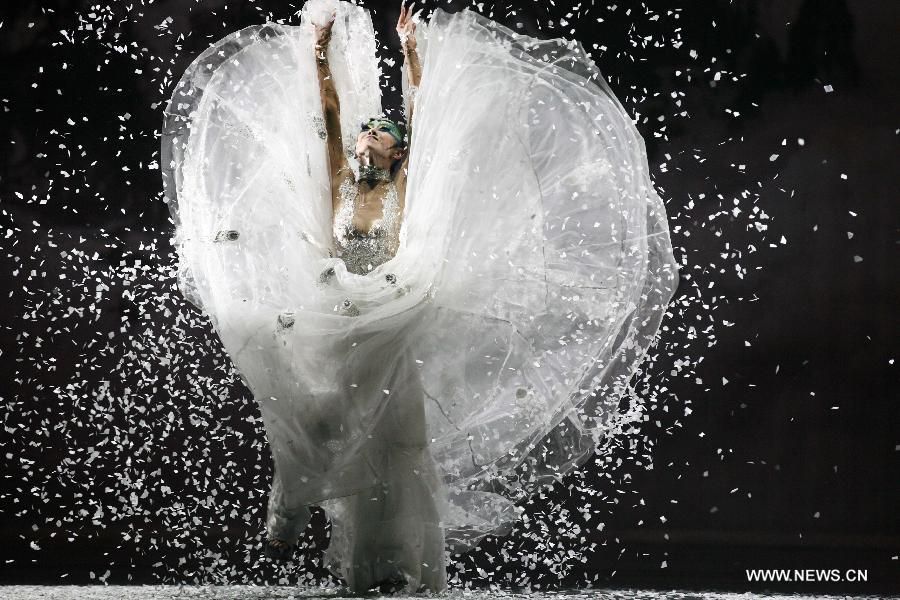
{"x": 419, "y": 402}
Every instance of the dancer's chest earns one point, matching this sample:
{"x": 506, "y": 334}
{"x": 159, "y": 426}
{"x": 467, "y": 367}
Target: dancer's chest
{"x": 366, "y": 227}
{"x": 368, "y": 210}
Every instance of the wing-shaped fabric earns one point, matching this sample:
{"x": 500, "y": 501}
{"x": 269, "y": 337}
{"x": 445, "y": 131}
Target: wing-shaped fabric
{"x": 534, "y": 268}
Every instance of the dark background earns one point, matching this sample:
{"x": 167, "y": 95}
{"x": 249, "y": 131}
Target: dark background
{"x": 130, "y": 450}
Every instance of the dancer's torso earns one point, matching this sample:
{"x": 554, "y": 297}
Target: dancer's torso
{"x": 367, "y": 223}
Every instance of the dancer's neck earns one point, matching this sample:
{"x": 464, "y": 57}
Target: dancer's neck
{"x": 373, "y": 175}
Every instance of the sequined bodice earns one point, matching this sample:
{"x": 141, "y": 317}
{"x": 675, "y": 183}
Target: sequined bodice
{"x": 362, "y": 252}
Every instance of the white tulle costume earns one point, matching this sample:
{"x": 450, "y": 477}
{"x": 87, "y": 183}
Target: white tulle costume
{"x": 417, "y": 402}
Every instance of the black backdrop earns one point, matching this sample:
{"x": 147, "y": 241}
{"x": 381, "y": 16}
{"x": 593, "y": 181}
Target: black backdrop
{"x": 772, "y": 133}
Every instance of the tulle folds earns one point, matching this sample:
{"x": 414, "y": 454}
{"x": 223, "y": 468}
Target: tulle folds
{"x": 418, "y": 402}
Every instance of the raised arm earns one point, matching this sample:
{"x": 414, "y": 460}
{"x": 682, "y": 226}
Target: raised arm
{"x": 406, "y": 29}
{"x": 338, "y": 168}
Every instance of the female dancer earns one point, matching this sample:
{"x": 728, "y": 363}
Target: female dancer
{"x": 367, "y": 214}
{"x": 459, "y": 324}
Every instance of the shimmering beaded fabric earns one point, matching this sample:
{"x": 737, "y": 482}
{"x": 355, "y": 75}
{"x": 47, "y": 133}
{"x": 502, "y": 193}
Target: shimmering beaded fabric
{"x": 363, "y": 252}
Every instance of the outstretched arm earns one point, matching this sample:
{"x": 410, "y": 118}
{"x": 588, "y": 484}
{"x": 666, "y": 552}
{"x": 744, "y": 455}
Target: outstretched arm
{"x": 338, "y": 169}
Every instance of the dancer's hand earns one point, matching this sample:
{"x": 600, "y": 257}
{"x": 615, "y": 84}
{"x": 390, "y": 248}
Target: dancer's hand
{"x": 406, "y": 25}
{"x": 323, "y": 33}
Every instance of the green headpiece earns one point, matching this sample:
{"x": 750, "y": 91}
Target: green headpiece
{"x": 386, "y": 125}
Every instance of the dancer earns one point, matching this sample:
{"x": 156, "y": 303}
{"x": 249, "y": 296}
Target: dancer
{"x": 433, "y": 322}
{"x": 394, "y": 535}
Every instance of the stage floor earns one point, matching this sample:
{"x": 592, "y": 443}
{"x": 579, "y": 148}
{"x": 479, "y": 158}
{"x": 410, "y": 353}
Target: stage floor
{"x": 238, "y": 592}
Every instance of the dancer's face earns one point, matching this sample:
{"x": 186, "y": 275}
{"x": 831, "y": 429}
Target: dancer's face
{"x": 376, "y": 138}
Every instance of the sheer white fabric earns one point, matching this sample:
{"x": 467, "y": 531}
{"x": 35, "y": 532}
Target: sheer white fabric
{"x": 418, "y": 402}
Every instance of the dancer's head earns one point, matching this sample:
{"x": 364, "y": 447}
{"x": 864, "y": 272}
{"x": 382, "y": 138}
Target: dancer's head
{"x": 383, "y": 141}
